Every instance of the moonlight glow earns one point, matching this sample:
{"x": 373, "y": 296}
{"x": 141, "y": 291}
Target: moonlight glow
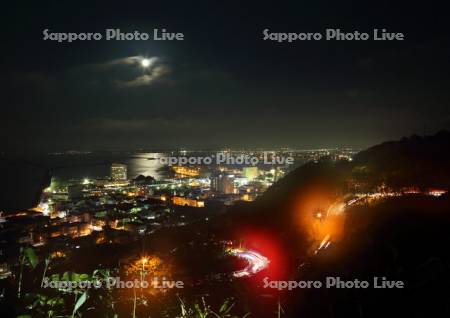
{"x": 145, "y": 63}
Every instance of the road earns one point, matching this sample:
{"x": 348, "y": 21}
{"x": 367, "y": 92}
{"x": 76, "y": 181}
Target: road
{"x": 255, "y": 262}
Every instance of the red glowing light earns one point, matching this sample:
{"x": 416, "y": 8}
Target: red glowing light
{"x": 268, "y": 246}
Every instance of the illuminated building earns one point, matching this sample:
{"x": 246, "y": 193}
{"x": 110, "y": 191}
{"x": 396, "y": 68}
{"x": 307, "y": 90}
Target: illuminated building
{"x": 101, "y": 182}
{"x": 248, "y": 197}
{"x": 186, "y": 171}
{"x": 72, "y": 230}
{"x": 250, "y": 172}
{"x": 437, "y": 192}
{"x": 117, "y": 184}
{"x": 223, "y": 183}
{"x": 188, "y": 202}
{"x": 97, "y": 224}
{"x": 116, "y": 224}
{"x": 135, "y": 228}
{"x": 118, "y": 172}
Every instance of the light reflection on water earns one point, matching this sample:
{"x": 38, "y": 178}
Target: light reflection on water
{"x": 66, "y": 167}
{"x": 25, "y": 178}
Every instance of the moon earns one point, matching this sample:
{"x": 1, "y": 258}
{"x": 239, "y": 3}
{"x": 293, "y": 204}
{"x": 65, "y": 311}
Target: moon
{"x": 145, "y": 63}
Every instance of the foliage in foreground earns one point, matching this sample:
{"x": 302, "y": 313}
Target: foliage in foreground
{"x": 204, "y": 310}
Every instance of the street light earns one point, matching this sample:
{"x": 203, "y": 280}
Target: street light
{"x": 144, "y": 261}
{"x": 318, "y": 214}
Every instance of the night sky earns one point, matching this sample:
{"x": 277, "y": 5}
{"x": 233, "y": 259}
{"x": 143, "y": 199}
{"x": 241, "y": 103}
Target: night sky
{"x": 223, "y": 85}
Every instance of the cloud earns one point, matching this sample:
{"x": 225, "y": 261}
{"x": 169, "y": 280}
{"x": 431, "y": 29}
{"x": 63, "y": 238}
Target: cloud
{"x": 130, "y": 60}
{"x": 154, "y": 74}
{"x": 128, "y": 72}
